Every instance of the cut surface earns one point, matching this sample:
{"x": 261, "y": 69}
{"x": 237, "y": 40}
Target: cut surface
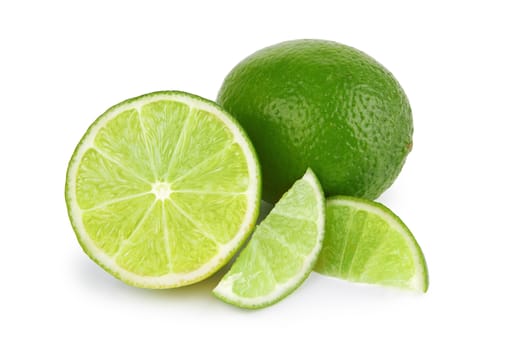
{"x": 150, "y": 184}
{"x": 282, "y": 251}
{"x": 366, "y": 242}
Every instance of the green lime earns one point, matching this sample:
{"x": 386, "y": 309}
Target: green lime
{"x": 282, "y": 251}
{"x": 323, "y": 105}
{"x": 150, "y": 184}
{"x": 366, "y": 242}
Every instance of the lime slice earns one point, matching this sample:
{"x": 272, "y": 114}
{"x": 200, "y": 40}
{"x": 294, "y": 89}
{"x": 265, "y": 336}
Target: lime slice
{"x": 366, "y": 242}
{"x": 163, "y": 189}
{"x": 282, "y": 251}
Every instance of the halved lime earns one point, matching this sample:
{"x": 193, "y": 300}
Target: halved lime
{"x": 282, "y": 251}
{"x": 163, "y": 189}
{"x": 366, "y": 242}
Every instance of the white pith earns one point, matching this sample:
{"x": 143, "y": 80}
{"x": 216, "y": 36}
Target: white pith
{"x": 225, "y": 288}
{"x": 162, "y": 191}
{"x": 417, "y": 282}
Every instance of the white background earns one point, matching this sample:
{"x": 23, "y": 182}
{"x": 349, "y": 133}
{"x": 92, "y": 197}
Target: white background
{"x": 461, "y": 192}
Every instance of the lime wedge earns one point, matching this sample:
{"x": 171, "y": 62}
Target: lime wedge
{"x": 282, "y": 251}
{"x": 366, "y": 242}
{"x": 163, "y": 189}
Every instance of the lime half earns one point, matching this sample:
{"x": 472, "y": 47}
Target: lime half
{"x": 282, "y": 251}
{"x": 163, "y": 189}
{"x": 366, "y": 242}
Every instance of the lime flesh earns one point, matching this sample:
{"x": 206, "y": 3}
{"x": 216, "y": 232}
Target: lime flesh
{"x": 163, "y": 189}
{"x": 282, "y": 251}
{"x": 366, "y": 242}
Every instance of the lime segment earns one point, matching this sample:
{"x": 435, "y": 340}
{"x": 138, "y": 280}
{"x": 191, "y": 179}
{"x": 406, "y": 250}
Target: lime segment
{"x": 366, "y": 242}
{"x": 282, "y": 251}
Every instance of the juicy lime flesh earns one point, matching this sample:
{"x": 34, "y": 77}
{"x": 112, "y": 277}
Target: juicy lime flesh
{"x": 153, "y": 186}
{"x": 365, "y": 242}
{"x": 282, "y": 250}
{"x": 324, "y": 105}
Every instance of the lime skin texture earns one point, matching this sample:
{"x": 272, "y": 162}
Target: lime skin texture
{"x": 324, "y": 105}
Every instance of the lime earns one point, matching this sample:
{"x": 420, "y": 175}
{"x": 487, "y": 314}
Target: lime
{"x": 282, "y": 251}
{"x": 324, "y": 105}
{"x": 150, "y": 184}
{"x": 366, "y": 242}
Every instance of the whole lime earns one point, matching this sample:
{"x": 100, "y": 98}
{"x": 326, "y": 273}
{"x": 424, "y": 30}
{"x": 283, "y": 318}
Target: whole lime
{"x": 323, "y": 105}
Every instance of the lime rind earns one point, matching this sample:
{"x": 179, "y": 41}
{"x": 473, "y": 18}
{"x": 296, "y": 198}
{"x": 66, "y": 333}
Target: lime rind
{"x": 419, "y": 280}
{"x": 225, "y": 288}
{"x": 169, "y": 280}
